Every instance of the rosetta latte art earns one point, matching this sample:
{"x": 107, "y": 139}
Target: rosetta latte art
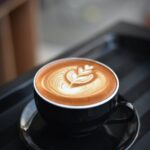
{"x": 80, "y": 76}
{"x": 75, "y": 81}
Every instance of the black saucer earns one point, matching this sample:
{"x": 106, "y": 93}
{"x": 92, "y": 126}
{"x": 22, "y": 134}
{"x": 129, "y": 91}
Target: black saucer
{"x": 115, "y": 134}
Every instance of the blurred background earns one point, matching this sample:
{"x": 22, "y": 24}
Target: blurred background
{"x": 34, "y": 31}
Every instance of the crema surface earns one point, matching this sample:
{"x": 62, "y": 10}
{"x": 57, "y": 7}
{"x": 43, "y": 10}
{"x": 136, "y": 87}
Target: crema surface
{"x": 75, "y": 82}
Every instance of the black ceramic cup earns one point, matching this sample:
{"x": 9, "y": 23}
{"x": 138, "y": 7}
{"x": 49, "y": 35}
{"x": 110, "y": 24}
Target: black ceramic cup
{"x": 76, "y": 120}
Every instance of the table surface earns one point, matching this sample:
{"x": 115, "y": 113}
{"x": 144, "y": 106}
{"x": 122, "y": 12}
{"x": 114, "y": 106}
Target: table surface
{"x": 124, "y": 48}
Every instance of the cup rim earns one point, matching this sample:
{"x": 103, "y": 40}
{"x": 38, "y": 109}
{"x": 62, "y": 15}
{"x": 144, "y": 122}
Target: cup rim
{"x": 72, "y": 106}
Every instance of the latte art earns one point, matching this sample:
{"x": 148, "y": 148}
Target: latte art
{"x": 76, "y": 82}
{"x": 80, "y": 75}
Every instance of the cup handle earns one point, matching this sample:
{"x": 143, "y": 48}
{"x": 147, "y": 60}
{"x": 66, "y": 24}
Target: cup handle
{"x": 124, "y": 118}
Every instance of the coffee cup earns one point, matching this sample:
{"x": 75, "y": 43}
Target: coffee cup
{"x": 75, "y": 95}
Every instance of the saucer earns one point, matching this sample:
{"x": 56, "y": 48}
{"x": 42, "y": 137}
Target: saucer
{"x": 115, "y": 134}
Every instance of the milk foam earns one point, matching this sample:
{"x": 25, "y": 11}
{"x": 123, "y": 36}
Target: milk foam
{"x": 76, "y": 82}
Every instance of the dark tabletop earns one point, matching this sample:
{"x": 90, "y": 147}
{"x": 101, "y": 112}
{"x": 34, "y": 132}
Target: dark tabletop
{"x": 124, "y": 47}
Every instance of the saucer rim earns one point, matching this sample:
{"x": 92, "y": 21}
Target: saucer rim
{"x": 138, "y": 129}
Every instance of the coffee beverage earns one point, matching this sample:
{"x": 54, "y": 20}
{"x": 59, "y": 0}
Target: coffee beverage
{"x": 76, "y": 95}
{"x": 76, "y": 82}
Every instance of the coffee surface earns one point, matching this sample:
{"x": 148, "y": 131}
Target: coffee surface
{"x": 75, "y": 82}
